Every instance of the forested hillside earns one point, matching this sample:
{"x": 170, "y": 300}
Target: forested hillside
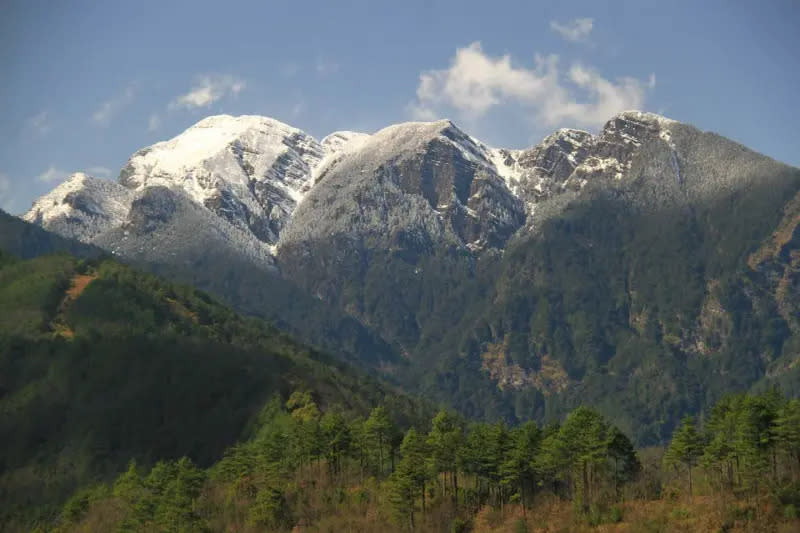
{"x": 647, "y": 269}
{"x": 312, "y": 469}
{"x": 647, "y": 316}
{"x": 133, "y": 404}
{"x": 648, "y": 272}
{"x": 26, "y": 240}
{"x": 101, "y": 364}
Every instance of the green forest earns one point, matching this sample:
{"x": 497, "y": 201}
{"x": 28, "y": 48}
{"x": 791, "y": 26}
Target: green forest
{"x": 101, "y": 364}
{"x": 128, "y": 403}
{"x": 309, "y": 469}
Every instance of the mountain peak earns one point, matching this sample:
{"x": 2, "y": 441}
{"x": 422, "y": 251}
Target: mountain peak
{"x": 339, "y": 140}
{"x": 240, "y": 121}
{"x": 207, "y": 140}
{"x": 642, "y": 117}
{"x": 250, "y": 170}
{"x": 81, "y": 206}
{"x": 418, "y": 129}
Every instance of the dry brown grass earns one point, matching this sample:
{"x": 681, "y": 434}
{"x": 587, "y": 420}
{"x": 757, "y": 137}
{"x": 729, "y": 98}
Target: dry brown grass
{"x": 78, "y": 284}
{"x": 701, "y": 514}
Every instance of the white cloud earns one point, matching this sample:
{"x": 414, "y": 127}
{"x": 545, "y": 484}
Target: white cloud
{"x": 208, "y": 90}
{"x": 651, "y": 81}
{"x": 576, "y": 30}
{"x": 39, "y": 124}
{"x": 52, "y": 174}
{"x": 154, "y": 122}
{"x": 476, "y": 82}
{"x": 102, "y": 172}
{"x": 110, "y": 108}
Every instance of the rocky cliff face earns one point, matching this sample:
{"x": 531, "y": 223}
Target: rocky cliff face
{"x": 414, "y": 186}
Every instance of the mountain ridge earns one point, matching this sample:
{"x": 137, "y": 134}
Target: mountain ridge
{"x": 507, "y": 283}
{"x": 254, "y": 171}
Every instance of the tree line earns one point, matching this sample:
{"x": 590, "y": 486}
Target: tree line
{"x": 310, "y": 466}
{"x": 748, "y": 442}
{"x": 465, "y": 465}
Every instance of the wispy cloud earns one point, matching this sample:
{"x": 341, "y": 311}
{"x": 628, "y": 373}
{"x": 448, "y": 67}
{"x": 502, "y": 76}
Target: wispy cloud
{"x": 575, "y": 30}
{"x": 207, "y": 90}
{"x": 111, "y": 107}
{"x": 52, "y": 174}
{"x": 476, "y": 82}
{"x": 101, "y": 172}
{"x": 298, "y": 108}
{"x": 39, "y": 124}
{"x": 154, "y": 122}
{"x": 326, "y": 67}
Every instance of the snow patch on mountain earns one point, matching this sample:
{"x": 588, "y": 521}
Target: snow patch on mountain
{"x": 415, "y": 186}
{"x": 506, "y": 164}
{"x": 252, "y": 174}
{"x": 337, "y": 145}
{"x": 81, "y": 207}
{"x": 342, "y": 140}
{"x": 250, "y": 170}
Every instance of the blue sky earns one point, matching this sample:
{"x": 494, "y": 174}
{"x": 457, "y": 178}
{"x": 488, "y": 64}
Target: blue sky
{"x": 85, "y": 84}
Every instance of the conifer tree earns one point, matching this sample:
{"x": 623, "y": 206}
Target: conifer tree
{"x": 622, "y": 453}
{"x": 517, "y": 470}
{"x": 685, "y": 448}
{"x": 412, "y": 473}
{"x": 719, "y": 455}
{"x": 305, "y": 414}
{"x": 336, "y": 438}
{"x": 378, "y": 427}
{"x": 787, "y": 431}
{"x": 444, "y": 440}
{"x": 582, "y": 446}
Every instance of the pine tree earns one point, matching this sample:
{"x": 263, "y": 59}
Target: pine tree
{"x": 685, "y": 448}
{"x": 402, "y": 497}
{"x": 583, "y": 445}
{"x": 175, "y": 509}
{"x": 378, "y": 427}
{"x": 336, "y": 438}
{"x": 626, "y": 463}
{"x": 787, "y": 431}
{"x": 754, "y": 437}
{"x": 517, "y": 470}
{"x": 412, "y": 473}
{"x": 306, "y": 437}
{"x": 444, "y": 440}
{"x": 719, "y": 454}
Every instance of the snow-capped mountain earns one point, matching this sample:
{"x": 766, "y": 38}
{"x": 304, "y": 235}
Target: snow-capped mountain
{"x": 580, "y": 265}
{"x": 82, "y": 207}
{"x": 417, "y": 184}
{"x": 250, "y": 170}
{"x": 569, "y": 159}
{"x": 270, "y": 189}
